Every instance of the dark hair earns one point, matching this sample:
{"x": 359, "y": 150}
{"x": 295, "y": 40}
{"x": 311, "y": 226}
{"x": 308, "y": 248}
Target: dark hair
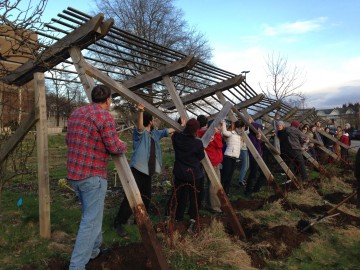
{"x": 202, "y": 120}
{"x": 147, "y": 118}
{"x": 239, "y": 124}
{"x": 100, "y": 93}
{"x": 192, "y": 126}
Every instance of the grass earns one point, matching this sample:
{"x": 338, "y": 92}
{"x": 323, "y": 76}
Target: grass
{"x": 334, "y": 250}
{"x": 212, "y": 248}
{"x": 273, "y": 214}
{"x": 308, "y": 196}
{"x": 335, "y": 184}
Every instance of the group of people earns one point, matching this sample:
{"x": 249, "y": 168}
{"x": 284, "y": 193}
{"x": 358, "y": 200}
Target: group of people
{"x": 92, "y": 137}
{"x": 341, "y": 134}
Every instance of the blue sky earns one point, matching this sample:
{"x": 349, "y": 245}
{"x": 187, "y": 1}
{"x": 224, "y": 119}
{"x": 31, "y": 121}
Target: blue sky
{"x": 320, "y": 37}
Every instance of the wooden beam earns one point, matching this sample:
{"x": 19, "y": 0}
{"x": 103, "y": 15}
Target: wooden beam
{"x": 290, "y": 114}
{"x": 128, "y": 182}
{"x": 86, "y": 34}
{"x": 148, "y": 235}
{"x": 175, "y": 97}
{"x": 209, "y": 169}
{"x": 276, "y": 154}
{"x": 123, "y": 91}
{"x": 306, "y": 115}
{"x": 19, "y": 134}
{"x": 251, "y": 101}
{"x": 209, "y": 91}
{"x": 42, "y": 156}
{"x": 241, "y": 105}
{"x": 211, "y": 130}
{"x": 157, "y": 74}
{"x": 322, "y": 132}
{"x": 78, "y": 60}
{"x": 272, "y": 107}
{"x": 264, "y": 168}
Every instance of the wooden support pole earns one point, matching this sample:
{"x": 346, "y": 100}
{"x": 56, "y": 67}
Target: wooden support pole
{"x": 289, "y": 114}
{"x": 42, "y": 156}
{"x": 19, "y": 134}
{"x": 278, "y": 158}
{"x": 175, "y": 97}
{"x": 148, "y": 235}
{"x": 333, "y": 139}
{"x": 209, "y": 91}
{"x": 272, "y": 107}
{"x": 209, "y": 169}
{"x": 264, "y": 168}
{"x": 123, "y": 91}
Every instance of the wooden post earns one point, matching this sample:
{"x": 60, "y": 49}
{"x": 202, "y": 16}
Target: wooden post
{"x": 209, "y": 169}
{"x": 148, "y": 235}
{"x": 42, "y": 156}
{"x": 258, "y": 158}
{"x": 279, "y": 159}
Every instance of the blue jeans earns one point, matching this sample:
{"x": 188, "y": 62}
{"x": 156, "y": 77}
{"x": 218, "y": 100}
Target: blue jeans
{"x": 244, "y": 164}
{"x": 91, "y": 193}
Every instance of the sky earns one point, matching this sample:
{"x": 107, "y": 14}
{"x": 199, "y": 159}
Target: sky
{"x": 322, "y": 38}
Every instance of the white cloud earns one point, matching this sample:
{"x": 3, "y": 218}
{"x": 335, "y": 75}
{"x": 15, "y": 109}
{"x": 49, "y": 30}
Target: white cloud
{"x": 299, "y": 27}
{"x": 325, "y": 79}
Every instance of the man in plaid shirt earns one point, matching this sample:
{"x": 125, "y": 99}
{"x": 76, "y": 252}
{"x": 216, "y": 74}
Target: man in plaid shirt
{"x": 91, "y": 138}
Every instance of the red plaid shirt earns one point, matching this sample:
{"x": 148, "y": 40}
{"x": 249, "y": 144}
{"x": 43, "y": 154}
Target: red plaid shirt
{"x": 91, "y": 138}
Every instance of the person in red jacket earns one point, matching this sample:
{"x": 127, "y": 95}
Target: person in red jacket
{"x": 345, "y": 139}
{"x": 215, "y": 154}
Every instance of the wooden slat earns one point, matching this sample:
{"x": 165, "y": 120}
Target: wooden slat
{"x": 156, "y": 75}
{"x": 289, "y": 114}
{"x": 272, "y": 107}
{"x": 209, "y": 91}
{"x": 42, "y": 157}
{"x": 88, "y": 33}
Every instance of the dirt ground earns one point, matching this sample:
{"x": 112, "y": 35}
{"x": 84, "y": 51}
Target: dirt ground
{"x": 264, "y": 242}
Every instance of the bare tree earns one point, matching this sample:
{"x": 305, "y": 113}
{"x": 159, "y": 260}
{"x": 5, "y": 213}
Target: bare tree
{"x": 283, "y": 81}
{"x": 159, "y": 21}
{"x": 19, "y": 21}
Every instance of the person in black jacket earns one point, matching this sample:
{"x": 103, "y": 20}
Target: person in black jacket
{"x": 291, "y": 147}
{"x": 188, "y": 173}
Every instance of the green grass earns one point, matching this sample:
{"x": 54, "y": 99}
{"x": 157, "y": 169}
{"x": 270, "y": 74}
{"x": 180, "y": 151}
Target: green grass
{"x": 335, "y": 250}
{"x": 20, "y": 243}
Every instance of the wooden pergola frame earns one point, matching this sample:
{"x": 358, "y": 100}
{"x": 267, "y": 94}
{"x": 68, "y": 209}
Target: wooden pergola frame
{"x": 225, "y": 93}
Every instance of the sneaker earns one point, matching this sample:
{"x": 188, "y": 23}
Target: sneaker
{"x": 102, "y": 251}
{"x": 242, "y": 183}
{"x": 286, "y": 182}
{"x": 120, "y": 230}
{"x": 191, "y": 226}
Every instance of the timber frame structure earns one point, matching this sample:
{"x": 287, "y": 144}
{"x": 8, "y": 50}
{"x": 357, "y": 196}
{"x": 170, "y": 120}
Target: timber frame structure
{"x": 170, "y": 84}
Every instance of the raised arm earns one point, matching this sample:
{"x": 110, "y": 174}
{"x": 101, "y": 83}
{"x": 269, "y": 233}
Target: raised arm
{"x": 140, "y": 123}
